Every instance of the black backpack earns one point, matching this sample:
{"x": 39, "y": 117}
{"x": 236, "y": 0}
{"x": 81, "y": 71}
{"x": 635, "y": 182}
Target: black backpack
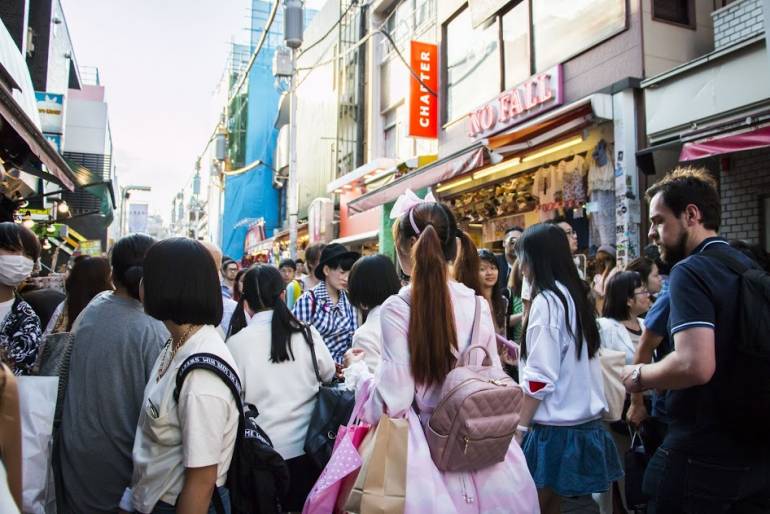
{"x": 746, "y": 395}
{"x": 258, "y": 476}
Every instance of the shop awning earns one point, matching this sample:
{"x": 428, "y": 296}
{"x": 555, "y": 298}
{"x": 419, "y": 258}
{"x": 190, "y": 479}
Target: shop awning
{"x": 369, "y": 169}
{"x": 26, "y": 148}
{"x": 553, "y": 124}
{"x": 726, "y": 143}
{"x": 357, "y": 238}
{"x": 441, "y": 170}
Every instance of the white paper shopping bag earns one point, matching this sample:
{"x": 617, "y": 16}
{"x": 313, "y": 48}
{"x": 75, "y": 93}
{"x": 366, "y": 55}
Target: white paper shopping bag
{"x": 37, "y": 403}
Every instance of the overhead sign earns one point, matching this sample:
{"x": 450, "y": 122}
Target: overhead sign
{"x": 423, "y": 105}
{"x": 535, "y": 95}
{"x": 482, "y": 10}
{"x": 137, "y": 218}
{"x": 51, "y": 109}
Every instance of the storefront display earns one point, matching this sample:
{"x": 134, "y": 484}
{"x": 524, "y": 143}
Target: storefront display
{"x": 578, "y": 186}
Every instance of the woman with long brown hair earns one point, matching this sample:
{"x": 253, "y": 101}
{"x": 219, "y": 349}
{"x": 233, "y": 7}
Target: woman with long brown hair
{"x": 425, "y": 328}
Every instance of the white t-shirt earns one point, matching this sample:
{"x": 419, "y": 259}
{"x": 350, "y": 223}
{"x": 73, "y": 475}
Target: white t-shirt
{"x": 285, "y": 392}
{"x": 5, "y": 308}
{"x": 197, "y": 432}
{"x": 571, "y": 390}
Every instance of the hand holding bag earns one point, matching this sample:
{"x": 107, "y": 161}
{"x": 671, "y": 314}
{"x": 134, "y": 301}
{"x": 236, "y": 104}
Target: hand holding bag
{"x": 333, "y": 408}
{"x": 344, "y": 461}
{"x": 381, "y": 484}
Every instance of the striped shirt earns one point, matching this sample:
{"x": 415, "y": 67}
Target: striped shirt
{"x": 335, "y": 323}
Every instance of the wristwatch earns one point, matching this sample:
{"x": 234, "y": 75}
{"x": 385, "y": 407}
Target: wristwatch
{"x": 636, "y": 376}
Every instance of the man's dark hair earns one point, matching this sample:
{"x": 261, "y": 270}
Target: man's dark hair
{"x": 512, "y": 229}
{"x": 127, "y": 259}
{"x": 619, "y": 290}
{"x": 226, "y": 262}
{"x": 685, "y": 186}
{"x": 299, "y": 261}
{"x": 288, "y": 263}
{"x": 373, "y": 279}
{"x": 181, "y": 283}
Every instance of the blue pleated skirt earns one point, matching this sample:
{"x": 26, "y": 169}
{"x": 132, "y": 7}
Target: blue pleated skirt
{"x": 572, "y": 460}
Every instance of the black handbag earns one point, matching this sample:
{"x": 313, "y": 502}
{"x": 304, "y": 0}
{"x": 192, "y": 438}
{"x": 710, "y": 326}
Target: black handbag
{"x": 333, "y": 407}
{"x": 636, "y": 460}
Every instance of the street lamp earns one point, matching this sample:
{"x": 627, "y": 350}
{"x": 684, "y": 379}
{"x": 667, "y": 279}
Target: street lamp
{"x": 125, "y": 194}
{"x": 293, "y": 18}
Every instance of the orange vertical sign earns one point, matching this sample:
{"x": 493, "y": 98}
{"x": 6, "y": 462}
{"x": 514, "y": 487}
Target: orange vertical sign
{"x": 423, "y": 104}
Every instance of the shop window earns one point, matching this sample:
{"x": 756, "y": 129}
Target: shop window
{"x": 393, "y": 82}
{"x": 472, "y": 64}
{"x": 516, "y": 55}
{"x": 390, "y": 134}
{"x": 565, "y": 28}
{"x": 678, "y": 12}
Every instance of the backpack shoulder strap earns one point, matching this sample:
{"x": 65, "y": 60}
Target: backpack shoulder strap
{"x": 216, "y": 365}
{"x": 728, "y": 260}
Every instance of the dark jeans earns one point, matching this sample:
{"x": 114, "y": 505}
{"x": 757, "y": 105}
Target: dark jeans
{"x": 677, "y": 483}
{"x": 165, "y": 508}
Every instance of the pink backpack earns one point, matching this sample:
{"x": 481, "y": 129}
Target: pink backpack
{"x": 474, "y": 421}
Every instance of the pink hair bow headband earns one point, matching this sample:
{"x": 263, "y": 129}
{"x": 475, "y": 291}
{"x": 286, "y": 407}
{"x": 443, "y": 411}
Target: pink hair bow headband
{"x": 406, "y": 204}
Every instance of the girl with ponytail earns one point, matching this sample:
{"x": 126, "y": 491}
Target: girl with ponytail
{"x": 278, "y": 376}
{"x": 425, "y": 328}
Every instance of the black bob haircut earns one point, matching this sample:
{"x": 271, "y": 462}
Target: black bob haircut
{"x": 620, "y": 289}
{"x": 372, "y": 280}
{"x": 288, "y": 263}
{"x": 181, "y": 283}
{"x": 343, "y": 262}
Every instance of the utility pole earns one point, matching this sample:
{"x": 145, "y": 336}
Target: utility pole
{"x": 293, "y": 29}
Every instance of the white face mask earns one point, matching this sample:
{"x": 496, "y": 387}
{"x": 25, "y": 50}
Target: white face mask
{"x": 14, "y": 269}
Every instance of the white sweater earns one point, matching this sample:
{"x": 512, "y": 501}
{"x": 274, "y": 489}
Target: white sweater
{"x": 573, "y": 391}
{"x": 284, "y": 393}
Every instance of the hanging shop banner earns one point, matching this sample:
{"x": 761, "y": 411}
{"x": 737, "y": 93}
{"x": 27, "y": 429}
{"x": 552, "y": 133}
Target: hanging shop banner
{"x": 254, "y": 236}
{"x": 532, "y": 97}
{"x": 423, "y": 105}
{"x": 137, "y": 218}
{"x": 482, "y": 10}
{"x": 51, "y": 109}
{"x": 92, "y": 247}
{"x": 494, "y": 229}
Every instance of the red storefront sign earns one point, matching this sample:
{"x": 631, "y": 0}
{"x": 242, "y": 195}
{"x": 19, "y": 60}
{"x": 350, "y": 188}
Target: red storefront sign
{"x": 423, "y": 105}
{"x": 530, "y": 98}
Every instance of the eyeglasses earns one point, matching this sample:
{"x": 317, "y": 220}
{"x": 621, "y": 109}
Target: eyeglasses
{"x": 511, "y": 241}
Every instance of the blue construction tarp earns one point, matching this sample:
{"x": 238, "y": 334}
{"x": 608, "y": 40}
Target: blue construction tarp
{"x": 251, "y": 195}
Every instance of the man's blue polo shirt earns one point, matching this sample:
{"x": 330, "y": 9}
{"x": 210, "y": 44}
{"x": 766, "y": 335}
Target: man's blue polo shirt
{"x": 703, "y": 293}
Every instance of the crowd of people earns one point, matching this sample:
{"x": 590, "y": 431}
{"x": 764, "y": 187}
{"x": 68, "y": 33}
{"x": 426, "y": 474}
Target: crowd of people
{"x": 132, "y": 438}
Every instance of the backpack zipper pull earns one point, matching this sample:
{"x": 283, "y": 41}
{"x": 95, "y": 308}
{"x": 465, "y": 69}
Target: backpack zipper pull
{"x": 465, "y": 447}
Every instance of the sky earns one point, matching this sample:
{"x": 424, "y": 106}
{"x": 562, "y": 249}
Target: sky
{"x": 160, "y": 62}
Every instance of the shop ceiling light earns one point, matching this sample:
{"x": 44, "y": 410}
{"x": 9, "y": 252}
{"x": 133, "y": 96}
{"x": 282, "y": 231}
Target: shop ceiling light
{"x": 497, "y": 167}
{"x": 555, "y": 148}
{"x": 63, "y": 208}
{"x": 452, "y": 185}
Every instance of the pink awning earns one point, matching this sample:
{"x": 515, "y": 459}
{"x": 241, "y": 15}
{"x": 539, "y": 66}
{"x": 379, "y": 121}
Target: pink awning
{"x": 727, "y": 143}
{"x": 437, "y": 171}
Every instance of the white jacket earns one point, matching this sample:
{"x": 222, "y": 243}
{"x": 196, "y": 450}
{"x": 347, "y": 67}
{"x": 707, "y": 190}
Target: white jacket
{"x": 615, "y": 336}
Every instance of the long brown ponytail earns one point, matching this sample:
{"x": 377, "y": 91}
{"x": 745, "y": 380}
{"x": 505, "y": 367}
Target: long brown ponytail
{"x": 432, "y": 334}
{"x": 431, "y": 324}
